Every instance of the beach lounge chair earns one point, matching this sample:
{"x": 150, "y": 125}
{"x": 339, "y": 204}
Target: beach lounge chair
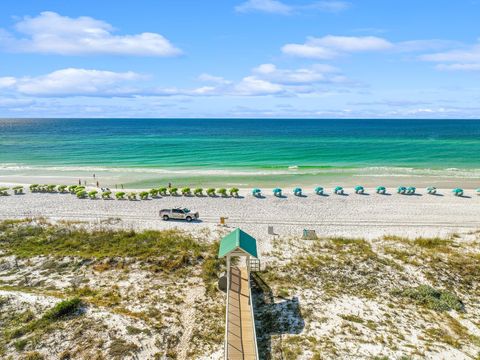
{"x": 411, "y": 190}
{"x": 401, "y": 190}
{"x": 359, "y": 189}
{"x": 381, "y": 189}
{"x": 457, "y": 192}
{"x": 338, "y": 190}
{"x": 432, "y": 190}
{"x": 297, "y": 191}
{"x": 277, "y": 192}
{"x": 256, "y": 192}
{"x": 319, "y": 190}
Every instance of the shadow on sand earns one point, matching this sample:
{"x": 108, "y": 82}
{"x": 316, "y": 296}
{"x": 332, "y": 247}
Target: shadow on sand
{"x": 273, "y": 318}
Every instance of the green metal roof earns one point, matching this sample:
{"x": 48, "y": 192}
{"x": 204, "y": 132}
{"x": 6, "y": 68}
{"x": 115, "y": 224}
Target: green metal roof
{"x": 238, "y": 239}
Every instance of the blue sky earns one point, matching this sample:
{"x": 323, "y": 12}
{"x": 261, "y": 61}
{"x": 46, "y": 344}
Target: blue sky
{"x": 242, "y": 58}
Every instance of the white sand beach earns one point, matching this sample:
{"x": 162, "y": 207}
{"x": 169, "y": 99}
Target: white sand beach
{"x": 369, "y": 216}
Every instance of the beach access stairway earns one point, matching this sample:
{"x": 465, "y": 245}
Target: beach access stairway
{"x": 240, "y": 337}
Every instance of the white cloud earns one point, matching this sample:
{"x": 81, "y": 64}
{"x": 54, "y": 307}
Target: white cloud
{"x": 330, "y": 6}
{"x": 265, "y": 79}
{"x": 213, "y": 79}
{"x": 52, "y": 33}
{"x": 331, "y": 46}
{"x": 458, "y": 67}
{"x": 268, "y": 6}
{"x": 73, "y": 82}
{"x": 315, "y": 74}
{"x": 251, "y": 85}
{"x": 278, "y": 7}
{"x": 460, "y": 59}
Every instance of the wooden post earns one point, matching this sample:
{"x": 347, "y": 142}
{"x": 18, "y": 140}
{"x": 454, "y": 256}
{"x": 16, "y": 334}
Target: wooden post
{"x": 228, "y": 273}
{"x": 248, "y": 276}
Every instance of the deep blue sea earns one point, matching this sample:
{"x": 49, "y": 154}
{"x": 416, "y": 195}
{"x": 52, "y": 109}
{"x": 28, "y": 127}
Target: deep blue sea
{"x": 141, "y": 152}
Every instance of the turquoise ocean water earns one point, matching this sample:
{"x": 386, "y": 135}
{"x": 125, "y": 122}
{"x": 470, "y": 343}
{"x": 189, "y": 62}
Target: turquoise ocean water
{"x": 242, "y": 152}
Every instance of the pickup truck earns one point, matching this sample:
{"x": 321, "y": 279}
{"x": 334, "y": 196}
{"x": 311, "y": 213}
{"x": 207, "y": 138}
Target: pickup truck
{"x": 178, "y": 214}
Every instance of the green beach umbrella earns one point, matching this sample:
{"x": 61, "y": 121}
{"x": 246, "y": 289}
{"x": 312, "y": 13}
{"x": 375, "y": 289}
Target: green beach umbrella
{"x": 457, "y": 192}
{"x": 359, "y": 189}
{"x": 319, "y": 190}
{"x": 432, "y": 190}
{"x": 381, "y": 189}
{"x": 338, "y": 190}
{"x": 401, "y": 189}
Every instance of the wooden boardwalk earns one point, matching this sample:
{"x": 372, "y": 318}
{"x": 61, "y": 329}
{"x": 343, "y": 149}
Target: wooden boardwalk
{"x": 241, "y": 343}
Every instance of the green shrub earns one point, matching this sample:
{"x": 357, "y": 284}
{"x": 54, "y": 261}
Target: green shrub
{"x": 33, "y": 355}
{"x": 153, "y": 192}
{"x": 211, "y": 192}
{"x": 120, "y": 195}
{"x": 431, "y": 298}
{"x": 234, "y": 192}
{"x": 81, "y": 194}
{"x": 61, "y": 188}
{"x": 173, "y": 191}
{"x": 20, "y": 344}
{"x": 222, "y": 192}
{"x": 93, "y": 194}
{"x": 198, "y": 191}
{"x": 63, "y": 309}
{"x": 162, "y": 191}
{"x": 144, "y": 195}
{"x": 186, "y": 191}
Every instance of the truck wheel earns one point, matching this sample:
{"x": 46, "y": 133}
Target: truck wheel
{"x": 165, "y": 217}
{"x": 188, "y": 218}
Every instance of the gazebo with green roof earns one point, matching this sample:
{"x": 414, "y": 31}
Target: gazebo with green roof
{"x": 238, "y": 243}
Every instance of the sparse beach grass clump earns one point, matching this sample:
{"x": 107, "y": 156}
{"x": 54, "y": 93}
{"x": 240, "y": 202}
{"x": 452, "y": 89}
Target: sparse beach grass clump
{"x": 438, "y": 300}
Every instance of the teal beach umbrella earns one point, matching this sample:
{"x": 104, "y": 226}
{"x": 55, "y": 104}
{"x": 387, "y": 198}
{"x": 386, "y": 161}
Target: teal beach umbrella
{"x": 411, "y": 190}
{"x": 432, "y": 190}
{"x": 277, "y": 192}
{"x": 338, "y": 190}
{"x": 381, "y": 189}
{"x": 457, "y": 192}
{"x": 297, "y": 191}
{"x": 401, "y": 190}
{"x": 319, "y": 190}
{"x": 256, "y": 192}
{"x": 359, "y": 189}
